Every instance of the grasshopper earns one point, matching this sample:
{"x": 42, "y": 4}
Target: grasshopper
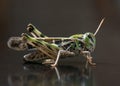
{"x": 48, "y": 50}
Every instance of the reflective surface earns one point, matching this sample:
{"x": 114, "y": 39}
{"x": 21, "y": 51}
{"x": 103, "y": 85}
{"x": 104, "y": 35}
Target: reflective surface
{"x": 61, "y": 18}
{"x": 37, "y": 75}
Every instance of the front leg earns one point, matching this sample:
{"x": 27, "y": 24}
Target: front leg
{"x": 88, "y": 56}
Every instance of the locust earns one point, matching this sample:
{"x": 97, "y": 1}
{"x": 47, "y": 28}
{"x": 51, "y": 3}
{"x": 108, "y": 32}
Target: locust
{"x": 48, "y": 50}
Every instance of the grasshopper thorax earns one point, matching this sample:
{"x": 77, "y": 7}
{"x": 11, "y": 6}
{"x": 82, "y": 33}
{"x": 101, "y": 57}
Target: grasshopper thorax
{"x": 89, "y": 41}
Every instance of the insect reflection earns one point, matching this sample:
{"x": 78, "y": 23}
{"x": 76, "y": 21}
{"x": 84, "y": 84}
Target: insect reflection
{"x": 37, "y": 75}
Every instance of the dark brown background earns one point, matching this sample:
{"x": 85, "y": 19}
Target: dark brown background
{"x": 63, "y": 18}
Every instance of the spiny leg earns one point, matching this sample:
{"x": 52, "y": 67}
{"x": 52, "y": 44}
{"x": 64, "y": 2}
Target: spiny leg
{"x": 35, "y": 56}
{"x": 58, "y": 56}
{"x": 45, "y": 47}
{"x": 88, "y": 56}
{"x": 65, "y": 52}
{"x": 34, "y": 31}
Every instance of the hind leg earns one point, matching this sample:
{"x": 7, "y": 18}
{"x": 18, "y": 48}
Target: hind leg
{"x": 34, "y": 31}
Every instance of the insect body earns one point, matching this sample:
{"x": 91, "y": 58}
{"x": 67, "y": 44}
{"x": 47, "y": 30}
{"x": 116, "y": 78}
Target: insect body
{"x": 47, "y": 50}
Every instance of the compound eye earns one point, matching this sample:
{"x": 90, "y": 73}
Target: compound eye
{"x": 89, "y": 36}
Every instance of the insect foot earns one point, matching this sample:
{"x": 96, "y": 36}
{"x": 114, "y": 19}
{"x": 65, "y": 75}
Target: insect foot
{"x": 53, "y": 65}
{"x": 89, "y": 59}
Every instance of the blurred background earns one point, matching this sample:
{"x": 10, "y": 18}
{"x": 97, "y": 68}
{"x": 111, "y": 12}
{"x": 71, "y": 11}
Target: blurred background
{"x": 63, "y": 18}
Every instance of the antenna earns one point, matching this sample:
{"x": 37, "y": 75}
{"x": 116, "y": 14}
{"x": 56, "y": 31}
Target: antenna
{"x": 99, "y": 26}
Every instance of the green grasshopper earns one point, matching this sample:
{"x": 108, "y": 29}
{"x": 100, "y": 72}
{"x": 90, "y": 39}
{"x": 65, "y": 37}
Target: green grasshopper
{"x": 48, "y": 50}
